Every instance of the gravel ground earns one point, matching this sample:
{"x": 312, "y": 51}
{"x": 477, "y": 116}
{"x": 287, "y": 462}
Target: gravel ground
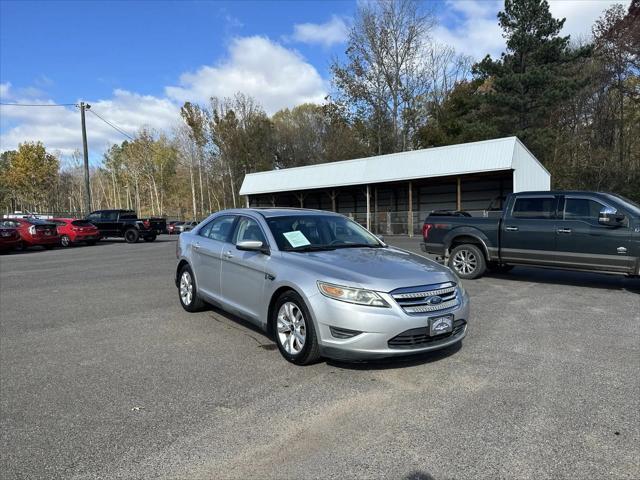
{"x": 103, "y": 375}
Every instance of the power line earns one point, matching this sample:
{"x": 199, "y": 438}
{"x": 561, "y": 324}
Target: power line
{"x": 39, "y": 104}
{"x": 116, "y": 128}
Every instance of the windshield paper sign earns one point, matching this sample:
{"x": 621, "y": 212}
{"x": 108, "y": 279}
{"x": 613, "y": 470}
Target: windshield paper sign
{"x": 296, "y": 239}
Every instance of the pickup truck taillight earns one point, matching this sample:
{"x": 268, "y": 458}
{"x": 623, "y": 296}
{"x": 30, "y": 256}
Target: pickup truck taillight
{"x": 146, "y": 223}
{"x": 425, "y": 230}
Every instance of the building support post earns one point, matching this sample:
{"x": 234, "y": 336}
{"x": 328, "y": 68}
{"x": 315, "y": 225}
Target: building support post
{"x": 459, "y": 195}
{"x": 333, "y": 195}
{"x": 375, "y": 208}
{"x": 247, "y": 200}
{"x": 410, "y": 213}
{"x": 368, "y": 208}
{"x": 273, "y": 200}
{"x": 301, "y": 199}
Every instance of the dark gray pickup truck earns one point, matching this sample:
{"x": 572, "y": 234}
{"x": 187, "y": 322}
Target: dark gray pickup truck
{"x": 572, "y": 230}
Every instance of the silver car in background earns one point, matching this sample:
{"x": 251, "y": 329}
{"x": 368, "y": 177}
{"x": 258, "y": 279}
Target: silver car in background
{"x": 321, "y": 284}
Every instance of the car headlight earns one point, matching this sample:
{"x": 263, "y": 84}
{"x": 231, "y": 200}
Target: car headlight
{"x": 359, "y": 296}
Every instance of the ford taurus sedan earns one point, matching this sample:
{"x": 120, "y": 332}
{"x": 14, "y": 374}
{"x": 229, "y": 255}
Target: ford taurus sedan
{"x": 321, "y": 284}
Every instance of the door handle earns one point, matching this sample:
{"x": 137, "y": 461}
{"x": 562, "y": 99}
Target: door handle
{"x": 196, "y": 246}
{"x": 511, "y": 229}
{"x": 564, "y": 230}
{"x": 228, "y": 254}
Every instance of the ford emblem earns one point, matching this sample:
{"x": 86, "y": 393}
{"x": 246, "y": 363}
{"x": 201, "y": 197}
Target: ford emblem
{"x": 435, "y": 300}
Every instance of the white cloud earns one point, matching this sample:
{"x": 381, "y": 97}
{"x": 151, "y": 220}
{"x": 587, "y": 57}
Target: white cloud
{"x": 277, "y": 77}
{"x": 4, "y": 90}
{"x": 329, "y": 33}
{"x": 471, "y": 26}
{"x": 581, "y": 14}
{"x": 59, "y": 127}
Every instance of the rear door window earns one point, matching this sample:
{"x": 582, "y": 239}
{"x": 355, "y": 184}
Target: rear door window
{"x": 535, "y": 208}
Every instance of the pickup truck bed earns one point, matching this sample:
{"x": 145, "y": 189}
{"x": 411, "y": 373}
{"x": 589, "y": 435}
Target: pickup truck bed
{"x": 573, "y": 230}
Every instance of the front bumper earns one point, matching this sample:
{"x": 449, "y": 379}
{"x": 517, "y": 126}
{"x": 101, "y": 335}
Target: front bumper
{"x": 378, "y": 327}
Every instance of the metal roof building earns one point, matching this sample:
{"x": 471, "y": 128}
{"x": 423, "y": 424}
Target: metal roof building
{"x": 392, "y": 193}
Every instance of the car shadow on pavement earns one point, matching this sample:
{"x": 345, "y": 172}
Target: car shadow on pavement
{"x": 418, "y": 475}
{"x": 397, "y": 362}
{"x": 570, "y": 277}
{"x": 265, "y": 341}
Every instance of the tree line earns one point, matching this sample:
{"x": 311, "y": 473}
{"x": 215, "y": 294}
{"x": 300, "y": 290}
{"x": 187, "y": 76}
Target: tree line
{"x": 574, "y": 104}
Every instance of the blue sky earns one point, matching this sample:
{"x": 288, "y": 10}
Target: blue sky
{"x": 137, "y": 61}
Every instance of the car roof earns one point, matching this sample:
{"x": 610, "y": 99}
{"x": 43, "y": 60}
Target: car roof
{"x": 270, "y": 212}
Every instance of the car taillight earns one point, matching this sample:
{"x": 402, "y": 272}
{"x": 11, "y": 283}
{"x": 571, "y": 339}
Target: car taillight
{"x": 425, "y": 230}
{"x": 76, "y": 229}
{"x": 146, "y": 223}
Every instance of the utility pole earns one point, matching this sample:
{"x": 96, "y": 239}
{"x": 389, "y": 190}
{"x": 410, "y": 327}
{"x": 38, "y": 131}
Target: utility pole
{"x": 87, "y": 184}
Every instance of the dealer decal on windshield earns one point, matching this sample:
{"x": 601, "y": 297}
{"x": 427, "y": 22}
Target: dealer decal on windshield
{"x": 296, "y": 239}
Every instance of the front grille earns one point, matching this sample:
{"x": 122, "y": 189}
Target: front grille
{"x": 427, "y": 298}
{"x": 419, "y": 337}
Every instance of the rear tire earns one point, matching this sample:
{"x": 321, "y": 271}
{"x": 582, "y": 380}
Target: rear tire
{"x": 91, "y": 242}
{"x": 48, "y": 247}
{"x": 131, "y": 235}
{"x": 293, "y": 330}
{"x": 65, "y": 241}
{"x": 188, "y": 291}
{"x": 150, "y": 238}
{"x": 467, "y": 261}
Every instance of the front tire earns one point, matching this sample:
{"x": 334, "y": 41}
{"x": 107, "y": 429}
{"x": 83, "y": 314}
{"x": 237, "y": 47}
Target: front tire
{"x": 467, "y": 261}
{"x": 188, "y": 292}
{"x": 131, "y": 235}
{"x": 293, "y": 330}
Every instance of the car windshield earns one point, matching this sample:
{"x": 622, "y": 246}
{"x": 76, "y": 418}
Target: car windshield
{"x": 319, "y": 232}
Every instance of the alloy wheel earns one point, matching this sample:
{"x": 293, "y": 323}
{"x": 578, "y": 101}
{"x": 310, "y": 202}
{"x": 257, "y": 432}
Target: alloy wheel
{"x": 465, "y": 262}
{"x": 186, "y": 288}
{"x": 292, "y": 328}
{"x": 65, "y": 241}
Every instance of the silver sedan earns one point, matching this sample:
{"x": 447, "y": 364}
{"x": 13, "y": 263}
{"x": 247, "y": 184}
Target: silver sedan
{"x": 320, "y": 284}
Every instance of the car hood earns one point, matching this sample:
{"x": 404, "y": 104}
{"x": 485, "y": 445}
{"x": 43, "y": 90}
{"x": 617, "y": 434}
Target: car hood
{"x": 381, "y": 269}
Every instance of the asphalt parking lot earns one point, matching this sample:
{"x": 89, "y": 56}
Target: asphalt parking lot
{"x": 103, "y": 375}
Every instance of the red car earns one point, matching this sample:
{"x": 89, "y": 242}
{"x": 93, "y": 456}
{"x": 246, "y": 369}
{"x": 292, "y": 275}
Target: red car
{"x": 34, "y": 231}
{"x": 9, "y": 236}
{"x": 73, "y": 231}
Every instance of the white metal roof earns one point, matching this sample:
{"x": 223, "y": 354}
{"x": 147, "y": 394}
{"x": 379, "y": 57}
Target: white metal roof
{"x": 486, "y": 156}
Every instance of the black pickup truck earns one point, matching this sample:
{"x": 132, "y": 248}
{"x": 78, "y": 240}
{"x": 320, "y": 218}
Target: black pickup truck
{"x": 565, "y": 229}
{"x": 126, "y": 224}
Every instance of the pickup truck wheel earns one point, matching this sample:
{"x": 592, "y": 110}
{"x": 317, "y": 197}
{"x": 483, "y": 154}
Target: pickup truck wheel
{"x": 467, "y": 261}
{"x": 131, "y": 235}
{"x": 293, "y": 330}
{"x": 149, "y": 238}
{"x": 188, "y": 291}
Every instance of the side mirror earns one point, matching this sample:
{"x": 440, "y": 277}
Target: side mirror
{"x": 252, "y": 246}
{"x": 610, "y": 217}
